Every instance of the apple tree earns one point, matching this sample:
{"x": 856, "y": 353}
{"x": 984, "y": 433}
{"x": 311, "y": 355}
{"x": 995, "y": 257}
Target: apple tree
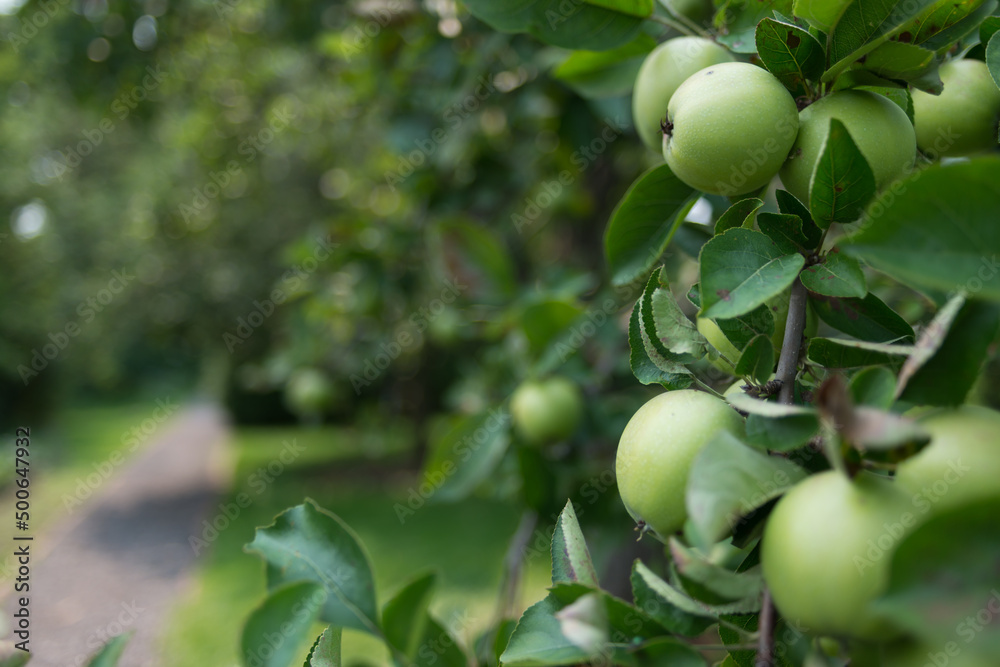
{"x": 815, "y": 485}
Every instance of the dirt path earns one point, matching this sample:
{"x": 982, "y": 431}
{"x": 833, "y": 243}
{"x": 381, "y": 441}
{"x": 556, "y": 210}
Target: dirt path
{"x": 120, "y": 564}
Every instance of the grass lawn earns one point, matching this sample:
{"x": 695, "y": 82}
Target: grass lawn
{"x": 464, "y": 542}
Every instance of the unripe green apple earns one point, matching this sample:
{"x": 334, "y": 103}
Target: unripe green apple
{"x": 821, "y": 14}
{"x": 728, "y": 355}
{"x": 963, "y": 119}
{"x": 546, "y": 411}
{"x": 826, "y": 551}
{"x": 308, "y": 392}
{"x": 699, "y": 11}
{"x": 657, "y": 449}
{"x": 662, "y": 72}
{"x": 880, "y": 129}
{"x": 962, "y": 462}
{"x": 729, "y": 129}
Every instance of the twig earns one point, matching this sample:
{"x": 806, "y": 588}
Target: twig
{"x": 788, "y": 365}
{"x": 795, "y": 326}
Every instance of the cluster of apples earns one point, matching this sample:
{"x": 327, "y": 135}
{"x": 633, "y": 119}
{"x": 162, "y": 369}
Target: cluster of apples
{"x": 727, "y": 128}
{"x": 817, "y": 532}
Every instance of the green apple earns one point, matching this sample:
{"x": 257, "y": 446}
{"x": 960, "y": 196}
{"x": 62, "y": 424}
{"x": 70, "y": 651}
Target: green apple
{"x": 821, "y": 14}
{"x": 729, "y": 129}
{"x": 962, "y": 462}
{"x": 546, "y": 411}
{"x": 699, "y": 11}
{"x": 882, "y": 131}
{"x": 826, "y": 550}
{"x": 963, "y": 119}
{"x": 662, "y": 72}
{"x": 657, "y": 449}
{"x": 727, "y": 355}
{"x": 308, "y": 392}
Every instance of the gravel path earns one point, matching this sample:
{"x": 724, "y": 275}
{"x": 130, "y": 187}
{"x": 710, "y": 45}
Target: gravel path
{"x": 120, "y": 562}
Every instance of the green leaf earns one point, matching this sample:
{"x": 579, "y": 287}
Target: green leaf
{"x": 874, "y": 387}
{"x": 276, "y": 631}
{"x": 958, "y": 20}
{"x": 729, "y": 480}
{"x": 570, "y": 558}
{"x": 727, "y": 585}
{"x": 738, "y": 215}
{"x": 737, "y": 21}
{"x": 675, "y": 610}
{"x": 544, "y": 321}
{"x": 790, "y": 53}
{"x": 666, "y": 651}
{"x": 642, "y": 366}
{"x": 899, "y": 96}
{"x": 757, "y": 360}
{"x": 595, "y": 25}
{"x": 864, "y": 25}
{"x": 896, "y": 60}
{"x": 603, "y": 74}
{"x": 756, "y": 406}
{"x": 842, "y": 353}
{"x": 993, "y": 58}
{"x": 326, "y": 650}
{"x": 877, "y": 430}
{"x": 740, "y": 330}
{"x": 740, "y": 270}
{"x": 466, "y": 454}
{"x": 479, "y": 258}
{"x": 438, "y": 648}
{"x": 866, "y": 319}
{"x": 781, "y": 434}
{"x": 948, "y": 376}
{"x": 842, "y": 182}
{"x": 836, "y": 275}
{"x": 785, "y": 231}
{"x": 109, "y": 654}
{"x": 944, "y": 576}
{"x": 404, "y": 616}
{"x": 789, "y": 205}
{"x": 307, "y": 543}
{"x": 644, "y": 222}
{"x": 538, "y": 639}
{"x": 988, "y": 28}
{"x": 937, "y": 229}
{"x": 690, "y": 237}
{"x": 665, "y": 327}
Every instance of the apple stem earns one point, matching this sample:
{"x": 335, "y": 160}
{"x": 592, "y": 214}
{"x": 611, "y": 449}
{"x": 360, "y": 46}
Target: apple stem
{"x": 795, "y": 325}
